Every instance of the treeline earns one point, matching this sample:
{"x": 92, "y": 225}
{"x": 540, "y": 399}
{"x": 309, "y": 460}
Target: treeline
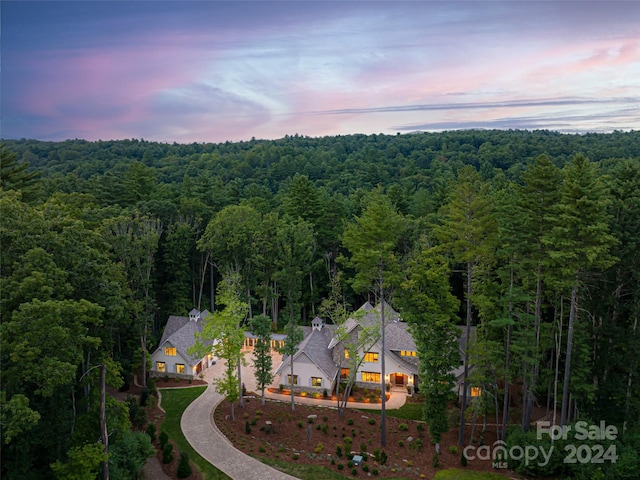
{"x": 538, "y": 231}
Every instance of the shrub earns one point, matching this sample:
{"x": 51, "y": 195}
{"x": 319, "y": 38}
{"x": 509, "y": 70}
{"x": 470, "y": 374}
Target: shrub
{"x": 403, "y": 427}
{"x": 325, "y": 395}
{"x": 245, "y": 415}
{"x": 247, "y": 427}
{"x": 339, "y": 451}
{"x": 309, "y": 420}
{"x": 262, "y": 450}
{"x": 350, "y": 421}
{"x": 354, "y": 471}
{"x": 363, "y": 447}
{"x": 319, "y": 448}
{"x": 374, "y": 471}
{"x": 463, "y": 459}
{"x": 258, "y": 413}
{"x": 151, "y": 385}
{"x": 420, "y": 427}
{"x": 350, "y": 463}
{"x": 184, "y": 468}
{"x": 300, "y": 424}
{"x": 167, "y": 453}
{"x": 400, "y": 443}
{"x": 435, "y": 460}
{"x": 166, "y": 377}
{"x": 144, "y": 397}
{"x": 376, "y": 454}
{"x": 325, "y": 428}
{"x": 453, "y": 449}
{"x": 325, "y": 419}
{"x": 281, "y": 388}
{"x": 365, "y": 468}
{"x": 137, "y": 414}
{"x": 295, "y": 456}
{"x": 163, "y": 439}
{"x": 372, "y": 421}
{"x": 151, "y": 431}
{"x": 383, "y": 458}
{"x": 340, "y": 466}
{"x": 333, "y": 461}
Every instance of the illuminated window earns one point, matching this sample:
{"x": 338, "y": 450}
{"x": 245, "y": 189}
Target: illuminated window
{"x": 161, "y": 367}
{"x": 373, "y": 377}
{"x": 346, "y": 353}
{"x": 316, "y": 381}
{"x": 476, "y": 391}
{"x": 295, "y": 379}
{"x": 170, "y": 351}
{"x": 407, "y": 353}
{"x": 344, "y": 373}
{"x": 179, "y": 367}
{"x": 371, "y": 357}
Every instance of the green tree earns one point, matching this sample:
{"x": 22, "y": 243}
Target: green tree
{"x": 294, "y": 335}
{"x": 372, "y": 240}
{"x": 468, "y": 232}
{"x": 295, "y": 245}
{"x": 134, "y": 242}
{"x": 230, "y": 239}
{"x": 82, "y": 463}
{"x": 14, "y": 175}
{"x": 579, "y": 242}
{"x": 261, "y": 327}
{"x": 223, "y": 329}
{"x": 429, "y": 308}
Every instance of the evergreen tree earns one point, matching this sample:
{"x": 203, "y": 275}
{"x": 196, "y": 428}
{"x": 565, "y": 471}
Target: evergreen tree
{"x": 372, "y": 240}
{"x": 468, "y": 232}
{"x": 261, "y": 327}
{"x": 429, "y": 307}
{"x": 579, "y": 243}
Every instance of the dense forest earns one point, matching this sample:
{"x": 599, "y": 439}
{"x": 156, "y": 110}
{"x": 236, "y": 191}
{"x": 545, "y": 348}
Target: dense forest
{"x": 535, "y": 235}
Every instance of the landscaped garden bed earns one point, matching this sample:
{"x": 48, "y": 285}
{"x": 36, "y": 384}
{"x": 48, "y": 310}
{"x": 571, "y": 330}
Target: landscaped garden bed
{"x": 319, "y": 436}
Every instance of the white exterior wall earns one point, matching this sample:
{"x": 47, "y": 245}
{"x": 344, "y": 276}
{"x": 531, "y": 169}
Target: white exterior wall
{"x": 304, "y": 368}
{"x": 390, "y": 366}
{"x": 170, "y": 362}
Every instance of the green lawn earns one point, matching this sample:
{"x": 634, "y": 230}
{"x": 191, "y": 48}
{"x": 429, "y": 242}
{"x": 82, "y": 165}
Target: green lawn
{"x": 174, "y": 402}
{"x": 457, "y": 474}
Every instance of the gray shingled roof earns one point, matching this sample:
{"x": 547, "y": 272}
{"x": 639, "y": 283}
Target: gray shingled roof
{"x": 180, "y": 333}
{"x": 314, "y": 346}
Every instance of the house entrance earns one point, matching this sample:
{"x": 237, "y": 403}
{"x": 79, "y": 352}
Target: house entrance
{"x": 399, "y": 379}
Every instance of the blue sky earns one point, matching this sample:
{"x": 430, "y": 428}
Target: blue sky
{"x": 210, "y": 71}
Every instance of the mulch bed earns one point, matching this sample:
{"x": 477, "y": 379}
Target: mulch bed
{"x": 312, "y": 435}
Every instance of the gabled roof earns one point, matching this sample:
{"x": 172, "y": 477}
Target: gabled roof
{"x": 314, "y": 346}
{"x": 180, "y": 333}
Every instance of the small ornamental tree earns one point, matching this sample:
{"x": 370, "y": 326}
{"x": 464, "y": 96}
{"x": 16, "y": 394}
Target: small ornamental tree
{"x": 294, "y": 336}
{"x": 261, "y": 328}
{"x": 224, "y": 330}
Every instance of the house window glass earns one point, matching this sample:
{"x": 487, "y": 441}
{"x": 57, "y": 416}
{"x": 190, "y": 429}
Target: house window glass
{"x": 372, "y": 377}
{"x": 179, "y": 367}
{"x": 346, "y": 353}
{"x": 371, "y": 357}
{"x": 170, "y": 351}
{"x": 476, "y": 391}
{"x": 344, "y": 373}
{"x": 161, "y": 367}
{"x": 295, "y": 379}
{"x": 316, "y": 381}
{"x": 407, "y": 353}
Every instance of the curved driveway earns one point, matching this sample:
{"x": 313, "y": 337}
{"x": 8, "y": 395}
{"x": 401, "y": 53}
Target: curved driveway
{"x": 201, "y": 432}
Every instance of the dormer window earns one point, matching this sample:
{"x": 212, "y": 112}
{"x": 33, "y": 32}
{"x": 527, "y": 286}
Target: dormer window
{"x": 194, "y": 315}
{"x": 316, "y": 323}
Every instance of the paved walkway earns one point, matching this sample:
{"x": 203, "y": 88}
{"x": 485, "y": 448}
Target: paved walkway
{"x": 201, "y": 432}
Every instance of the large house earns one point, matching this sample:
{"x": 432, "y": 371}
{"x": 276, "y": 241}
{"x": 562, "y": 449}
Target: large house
{"x": 321, "y": 357}
{"x": 171, "y": 358}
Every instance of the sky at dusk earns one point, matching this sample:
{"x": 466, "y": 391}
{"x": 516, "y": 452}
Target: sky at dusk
{"x": 209, "y": 71}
